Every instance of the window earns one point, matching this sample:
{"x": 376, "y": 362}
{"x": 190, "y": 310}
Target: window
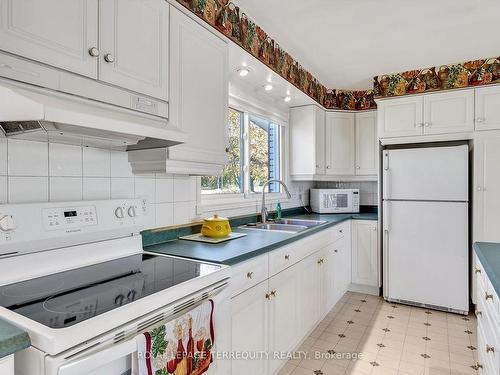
{"x": 254, "y": 157}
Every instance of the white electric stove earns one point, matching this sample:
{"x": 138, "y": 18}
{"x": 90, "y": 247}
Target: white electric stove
{"x": 75, "y": 277}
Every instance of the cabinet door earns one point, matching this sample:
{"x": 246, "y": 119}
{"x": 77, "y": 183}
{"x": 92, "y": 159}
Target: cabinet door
{"x": 328, "y": 293}
{"x": 198, "y": 90}
{"x": 339, "y": 143}
{"x": 284, "y": 318}
{"x": 400, "y": 117}
{"x": 310, "y": 291}
{"x": 488, "y": 108}
{"x": 249, "y": 333}
{"x": 366, "y": 144}
{"x": 364, "y": 253}
{"x": 7, "y": 365}
{"x": 133, "y": 35}
{"x": 487, "y": 185}
{"x": 342, "y": 266}
{"x": 319, "y": 140}
{"x": 449, "y": 112}
{"x": 54, "y": 32}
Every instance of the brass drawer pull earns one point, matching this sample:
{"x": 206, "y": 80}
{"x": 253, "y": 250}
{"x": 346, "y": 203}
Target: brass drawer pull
{"x": 479, "y": 313}
{"x": 490, "y": 349}
{"x": 287, "y": 257}
{"x": 250, "y": 275}
{"x": 488, "y": 296}
{"x": 273, "y": 293}
{"x": 477, "y": 270}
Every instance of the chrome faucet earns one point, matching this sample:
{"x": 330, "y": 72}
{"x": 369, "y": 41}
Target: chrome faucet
{"x": 263, "y": 211}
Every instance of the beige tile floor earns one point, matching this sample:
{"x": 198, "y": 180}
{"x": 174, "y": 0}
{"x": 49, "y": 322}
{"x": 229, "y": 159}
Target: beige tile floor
{"x": 393, "y": 339}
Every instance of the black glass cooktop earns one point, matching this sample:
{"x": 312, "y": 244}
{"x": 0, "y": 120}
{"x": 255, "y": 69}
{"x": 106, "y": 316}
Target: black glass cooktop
{"x": 67, "y": 298}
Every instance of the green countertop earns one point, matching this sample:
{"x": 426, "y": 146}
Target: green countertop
{"x": 489, "y": 255}
{"x": 255, "y": 243}
{"x": 12, "y": 339}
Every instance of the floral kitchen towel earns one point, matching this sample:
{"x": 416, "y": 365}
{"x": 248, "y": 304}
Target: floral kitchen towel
{"x": 181, "y": 347}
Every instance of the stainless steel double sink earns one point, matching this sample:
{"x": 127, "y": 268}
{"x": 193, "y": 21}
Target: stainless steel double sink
{"x": 286, "y": 225}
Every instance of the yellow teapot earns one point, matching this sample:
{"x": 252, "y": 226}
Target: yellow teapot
{"x": 216, "y": 227}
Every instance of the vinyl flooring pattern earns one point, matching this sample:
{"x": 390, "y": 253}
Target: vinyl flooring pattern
{"x": 393, "y": 340}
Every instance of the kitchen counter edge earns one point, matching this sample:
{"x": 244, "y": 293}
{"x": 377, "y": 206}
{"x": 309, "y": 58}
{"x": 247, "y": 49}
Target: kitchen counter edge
{"x": 12, "y": 339}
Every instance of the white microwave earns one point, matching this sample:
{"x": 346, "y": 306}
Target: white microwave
{"x": 329, "y": 201}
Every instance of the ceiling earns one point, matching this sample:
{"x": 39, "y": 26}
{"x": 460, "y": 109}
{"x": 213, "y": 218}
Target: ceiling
{"x": 346, "y": 43}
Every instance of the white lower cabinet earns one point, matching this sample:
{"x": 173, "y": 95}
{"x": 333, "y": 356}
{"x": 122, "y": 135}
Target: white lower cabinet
{"x": 365, "y": 253}
{"x": 249, "y": 329}
{"x": 304, "y": 281}
{"x": 7, "y": 365}
{"x": 285, "y": 306}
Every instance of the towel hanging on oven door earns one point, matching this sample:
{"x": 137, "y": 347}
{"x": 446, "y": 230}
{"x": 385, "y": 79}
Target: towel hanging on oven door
{"x": 182, "y": 346}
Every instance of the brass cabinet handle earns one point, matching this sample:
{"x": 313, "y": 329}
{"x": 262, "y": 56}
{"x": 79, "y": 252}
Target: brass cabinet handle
{"x": 336, "y": 251}
{"x": 477, "y": 270}
{"x": 321, "y": 261}
{"x": 287, "y": 257}
{"x": 268, "y": 296}
{"x": 488, "y": 296}
{"x": 273, "y": 293}
{"x": 490, "y": 349}
{"x": 478, "y": 312}
{"x": 250, "y": 275}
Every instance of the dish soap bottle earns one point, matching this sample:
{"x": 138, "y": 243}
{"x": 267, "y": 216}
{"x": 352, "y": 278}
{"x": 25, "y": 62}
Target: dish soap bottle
{"x": 278, "y": 211}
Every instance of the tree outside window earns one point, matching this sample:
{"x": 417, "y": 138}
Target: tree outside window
{"x": 254, "y": 155}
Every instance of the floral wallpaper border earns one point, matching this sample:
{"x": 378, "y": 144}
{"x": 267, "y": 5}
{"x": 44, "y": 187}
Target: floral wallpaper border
{"x": 227, "y": 17}
{"x": 444, "y": 77}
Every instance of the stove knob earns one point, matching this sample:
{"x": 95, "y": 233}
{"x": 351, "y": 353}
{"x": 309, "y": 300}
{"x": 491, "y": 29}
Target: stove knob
{"x": 119, "y": 213}
{"x": 119, "y": 299}
{"x": 131, "y": 295}
{"x": 131, "y": 211}
{"x": 7, "y": 223}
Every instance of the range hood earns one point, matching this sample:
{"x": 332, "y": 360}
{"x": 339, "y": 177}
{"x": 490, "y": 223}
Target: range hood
{"x": 30, "y": 113}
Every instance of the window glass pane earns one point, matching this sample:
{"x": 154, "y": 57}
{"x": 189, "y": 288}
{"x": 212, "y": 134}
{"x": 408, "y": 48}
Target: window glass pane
{"x": 230, "y": 180}
{"x": 264, "y": 151}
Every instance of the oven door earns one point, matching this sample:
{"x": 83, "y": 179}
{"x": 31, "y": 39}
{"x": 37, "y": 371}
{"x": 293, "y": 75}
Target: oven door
{"x": 110, "y": 358}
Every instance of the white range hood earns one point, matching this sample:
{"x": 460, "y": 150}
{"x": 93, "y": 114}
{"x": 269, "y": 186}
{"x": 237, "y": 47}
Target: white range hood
{"x": 30, "y": 113}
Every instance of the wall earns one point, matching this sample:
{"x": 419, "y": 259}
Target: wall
{"x": 42, "y": 172}
{"x": 368, "y": 190}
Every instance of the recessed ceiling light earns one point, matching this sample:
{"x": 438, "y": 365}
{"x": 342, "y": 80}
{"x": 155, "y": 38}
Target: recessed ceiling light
{"x": 287, "y": 98}
{"x": 268, "y": 87}
{"x": 243, "y": 71}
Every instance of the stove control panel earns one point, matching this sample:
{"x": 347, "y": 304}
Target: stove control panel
{"x": 69, "y": 217}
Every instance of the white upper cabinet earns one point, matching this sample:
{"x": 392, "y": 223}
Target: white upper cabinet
{"x": 198, "y": 92}
{"x": 488, "y": 108}
{"x": 365, "y": 253}
{"x": 340, "y": 143}
{"x": 307, "y": 141}
{"x": 58, "y": 33}
{"x": 400, "y": 117}
{"x": 449, "y": 112}
{"x": 366, "y": 144}
{"x": 134, "y": 40}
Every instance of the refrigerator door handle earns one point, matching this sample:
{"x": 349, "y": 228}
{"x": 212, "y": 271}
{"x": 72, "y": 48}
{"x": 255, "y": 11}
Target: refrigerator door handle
{"x": 385, "y": 179}
{"x": 386, "y": 160}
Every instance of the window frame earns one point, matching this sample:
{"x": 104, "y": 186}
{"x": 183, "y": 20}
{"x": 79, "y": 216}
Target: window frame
{"x": 209, "y": 202}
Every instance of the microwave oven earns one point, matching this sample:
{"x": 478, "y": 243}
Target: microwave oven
{"x": 329, "y": 201}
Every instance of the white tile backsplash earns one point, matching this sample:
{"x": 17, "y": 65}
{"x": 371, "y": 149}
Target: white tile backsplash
{"x": 27, "y": 158}
{"x": 28, "y": 189}
{"x": 164, "y": 190}
{"x": 3, "y": 157}
{"x": 145, "y": 187}
{"x": 122, "y": 187}
{"x": 65, "y": 160}
{"x": 65, "y": 189}
{"x": 96, "y": 162}
{"x": 120, "y": 167}
{"x": 185, "y": 188}
{"x": 3, "y": 189}
{"x": 368, "y": 190}
{"x": 37, "y": 172}
{"x": 96, "y": 188}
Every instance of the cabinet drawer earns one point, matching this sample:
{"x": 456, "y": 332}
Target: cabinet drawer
{"x": 285, "y": 257}
{"x": 341, "y": 230}
{"x": 247, "y": 274}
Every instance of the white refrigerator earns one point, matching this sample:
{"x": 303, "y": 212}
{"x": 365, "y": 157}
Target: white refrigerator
{"x": 426, "y": 226}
